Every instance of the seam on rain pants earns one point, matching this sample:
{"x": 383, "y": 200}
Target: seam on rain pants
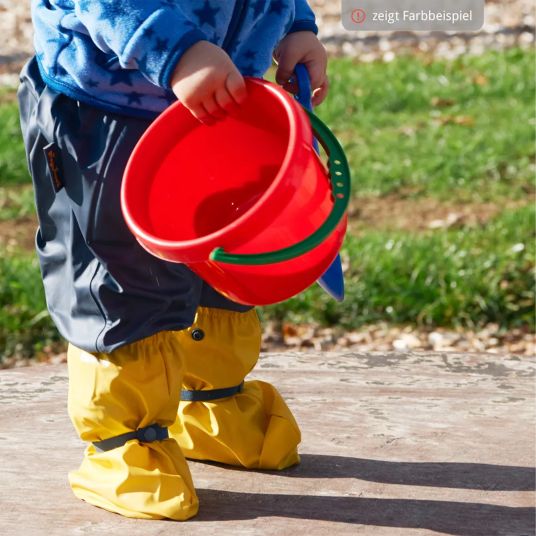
{"x": 103, "y": 290}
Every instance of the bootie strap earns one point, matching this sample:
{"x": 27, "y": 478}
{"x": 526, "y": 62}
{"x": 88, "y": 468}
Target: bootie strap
{"x": 153, "y": 432}
{"x": 210, "y": 394}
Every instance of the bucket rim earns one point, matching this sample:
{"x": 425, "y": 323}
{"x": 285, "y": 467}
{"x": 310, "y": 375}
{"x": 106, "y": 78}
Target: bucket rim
{"x": 298, "y": 127}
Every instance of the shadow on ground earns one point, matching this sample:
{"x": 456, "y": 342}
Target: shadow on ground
{"x": 449, "y": 517}
{"x": 436, "y": 474}
{"x": 478, "y": 476}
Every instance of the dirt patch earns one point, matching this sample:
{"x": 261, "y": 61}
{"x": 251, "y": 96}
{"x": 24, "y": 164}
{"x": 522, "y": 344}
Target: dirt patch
{"x": 18, "y": 234}
{"x": 423, "y": 214}
{"x": 7, "y": 97}
{"x": 384, "y": 213}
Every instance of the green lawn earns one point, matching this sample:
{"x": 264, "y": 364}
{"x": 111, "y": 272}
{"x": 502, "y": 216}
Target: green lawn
{"x": 12, "y": 158}
{"x": 460, "y": 132}
{"x": 440, "y": 278}
{"x": 462, "y": 129}
{"x": 25, "y": 327}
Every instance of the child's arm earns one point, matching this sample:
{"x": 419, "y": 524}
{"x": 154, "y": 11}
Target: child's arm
{"x": 201, "y": 74}
{"x": 207, "y": 82}
{"x": 302, "y": 46}
{"x": 148, "y": 35}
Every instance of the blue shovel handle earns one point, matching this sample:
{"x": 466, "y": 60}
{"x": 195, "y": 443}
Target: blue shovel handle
{"x": 332, "y": 281}
{"x": 304, "y": 91}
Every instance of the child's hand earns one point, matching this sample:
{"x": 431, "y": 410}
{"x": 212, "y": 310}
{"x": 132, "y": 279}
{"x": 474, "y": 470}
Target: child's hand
{"x": 207, "y": 82}
{"x": 302, "y": 47}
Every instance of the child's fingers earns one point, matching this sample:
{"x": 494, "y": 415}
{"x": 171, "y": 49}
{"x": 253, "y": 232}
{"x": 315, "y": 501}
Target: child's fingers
{"x": 287, "y": 58}
{"x": 320, "y": 93}
{"x": 224, "y": 100}
{"x": 236, "y": 86}
{"x": 285, "y": 68}
{"x": 199, "y": 112}
{"x": 291, "y": 86}
{"x": 317, "y": 73}
{"x": 282, "y": 77}
{"x": 207, "y": 118}
{"x": 213, "y": 108}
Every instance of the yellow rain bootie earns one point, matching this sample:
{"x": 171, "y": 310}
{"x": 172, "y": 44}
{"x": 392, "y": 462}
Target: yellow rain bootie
{"x": 221, "y": 418}
{"x": 122, "y": 403}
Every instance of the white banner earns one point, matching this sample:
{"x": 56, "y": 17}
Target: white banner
{"x": 413, "y": 15}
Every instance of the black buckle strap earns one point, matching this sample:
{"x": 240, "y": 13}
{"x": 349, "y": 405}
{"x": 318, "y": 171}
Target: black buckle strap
{"x": 153, "y": 432}
{"x": 210, "y": 394}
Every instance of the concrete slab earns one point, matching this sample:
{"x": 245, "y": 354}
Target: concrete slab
{"x": 393, "y": 444}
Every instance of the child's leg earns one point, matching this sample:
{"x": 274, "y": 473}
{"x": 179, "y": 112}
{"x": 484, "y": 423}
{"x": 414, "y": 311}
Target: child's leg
{"x": 104, "y": 292}
{"x": 252, "y": 426}
{"x": 110, "y": 395}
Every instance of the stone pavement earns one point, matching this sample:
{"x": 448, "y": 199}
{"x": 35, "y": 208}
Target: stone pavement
{"x": 393, "y": 444}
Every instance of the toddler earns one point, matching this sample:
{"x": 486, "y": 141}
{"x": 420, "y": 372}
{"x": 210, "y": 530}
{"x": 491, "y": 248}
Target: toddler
{"x": 157, "y": 358}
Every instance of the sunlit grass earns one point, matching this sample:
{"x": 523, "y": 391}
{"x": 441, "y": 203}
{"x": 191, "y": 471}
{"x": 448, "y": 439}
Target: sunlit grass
{"x": 459, "y": 131}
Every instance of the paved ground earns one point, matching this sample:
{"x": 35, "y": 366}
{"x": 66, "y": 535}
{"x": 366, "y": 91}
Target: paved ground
{"x": 393, "y": 444}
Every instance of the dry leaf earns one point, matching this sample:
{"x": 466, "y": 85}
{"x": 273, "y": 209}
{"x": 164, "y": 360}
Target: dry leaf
{"x": 442, "y": 102}
{"x": 480, "y": 79}
{"x": 289, "y": 330}
{"x": 462, "y": 120}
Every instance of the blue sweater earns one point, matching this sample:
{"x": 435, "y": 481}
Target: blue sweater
{"x": 119, "y": 55}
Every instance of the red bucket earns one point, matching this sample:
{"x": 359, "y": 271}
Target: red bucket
{"x": 246, "y": 203}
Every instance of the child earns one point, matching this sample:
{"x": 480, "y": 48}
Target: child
{"x": 156, "y": 357}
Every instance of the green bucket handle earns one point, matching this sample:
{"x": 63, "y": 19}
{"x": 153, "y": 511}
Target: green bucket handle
{"x": 339, "y": 175}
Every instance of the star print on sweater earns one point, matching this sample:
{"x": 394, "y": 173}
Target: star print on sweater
{"x": 120, "y": 56}
{"x": 161, "y": 45}
{"x": 121, "y": 77}
{"x": 250, "y": 54}
{"x": 113, "y": 14}
{"x": 277, "y": 6}
{"x": 134, "y": 97}
{"x": 85, "y": 5}
{"x": 207, "y": 14}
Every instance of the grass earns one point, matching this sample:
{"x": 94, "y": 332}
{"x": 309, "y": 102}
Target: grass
{"x": 16, "y": 202}
{"x": 13, "y": 168}
{"x": 447, "y": 278}
{"x": 460, "y": 131}
{"x": 25, "y": 327}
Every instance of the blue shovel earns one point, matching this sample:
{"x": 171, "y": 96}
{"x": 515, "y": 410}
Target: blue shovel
{"x": 333, "y": 280}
